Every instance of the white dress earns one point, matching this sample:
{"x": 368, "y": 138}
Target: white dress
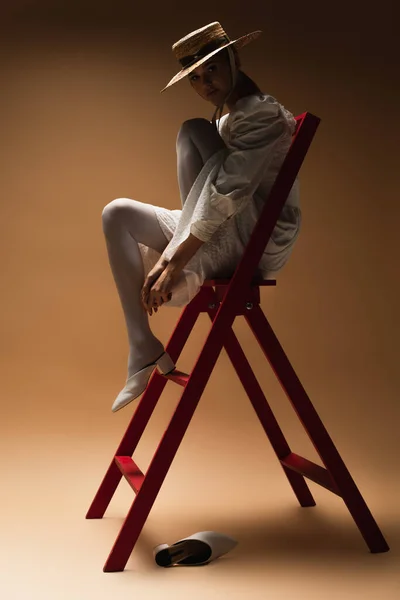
{"x": 228, "y": 196}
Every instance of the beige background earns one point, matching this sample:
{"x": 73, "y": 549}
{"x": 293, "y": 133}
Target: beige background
{"x": 82, "y": 122}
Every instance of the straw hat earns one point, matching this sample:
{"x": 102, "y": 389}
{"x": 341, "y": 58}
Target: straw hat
{"x": 199, "y": 45}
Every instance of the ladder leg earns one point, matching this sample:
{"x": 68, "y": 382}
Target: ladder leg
{"x": 127, "y": 447}
{"x": 162, "y": 460}
{"x": 316, "y": 430}
{"x": 143, "y": 412}
{"x": 265, "y": 414}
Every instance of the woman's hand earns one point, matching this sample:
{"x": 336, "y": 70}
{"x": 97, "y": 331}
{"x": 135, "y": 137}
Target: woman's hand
{"x": 158, "y": 285}
{"x": 161, "y": 279}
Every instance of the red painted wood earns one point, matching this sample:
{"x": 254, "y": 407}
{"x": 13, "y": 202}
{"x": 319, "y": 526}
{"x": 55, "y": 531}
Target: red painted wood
{"x": 311, "y": 470}
{"x": 131, "y": 472}
{"x": 144, "y": 410}
{"x": 223, "y": 300}
{"x": 255, "y": 282}
{"x": 264, "y": 413}
{"x": 178, "y": 377}
{"x": 315, "y": 429}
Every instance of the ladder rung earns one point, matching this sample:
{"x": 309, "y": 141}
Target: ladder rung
{"x": 130, "y": 471}
{"x": 178, "y": 377}
{"x": 311, "y": 470}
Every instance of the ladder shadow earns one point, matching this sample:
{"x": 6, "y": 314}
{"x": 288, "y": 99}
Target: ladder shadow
{"x": 301, "y": 534}
{"x": 306, "y": 534}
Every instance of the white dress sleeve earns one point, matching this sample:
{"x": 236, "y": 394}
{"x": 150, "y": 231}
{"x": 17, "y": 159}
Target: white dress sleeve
{"x": 253, "y": 136}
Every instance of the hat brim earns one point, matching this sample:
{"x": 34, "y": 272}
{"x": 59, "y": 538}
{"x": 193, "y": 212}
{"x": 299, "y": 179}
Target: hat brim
{"x": 239, "y": 43}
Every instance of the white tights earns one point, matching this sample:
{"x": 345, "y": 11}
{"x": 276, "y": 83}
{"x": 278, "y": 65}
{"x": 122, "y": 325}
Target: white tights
{"x": 129, "y": 222}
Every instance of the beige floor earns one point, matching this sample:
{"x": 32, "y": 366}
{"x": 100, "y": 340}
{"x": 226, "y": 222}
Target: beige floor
{"x": 224, "y": 477}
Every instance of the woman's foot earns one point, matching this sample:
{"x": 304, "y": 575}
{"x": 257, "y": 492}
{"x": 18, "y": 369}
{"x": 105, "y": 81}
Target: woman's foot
{"x": 144, "y": 355}
{"x": 137, "y": 383}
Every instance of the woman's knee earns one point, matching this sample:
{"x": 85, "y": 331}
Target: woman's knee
{"x": 116, "y": 211}
{"x": 191, "y": 127}
{"x": 200, "y": 133}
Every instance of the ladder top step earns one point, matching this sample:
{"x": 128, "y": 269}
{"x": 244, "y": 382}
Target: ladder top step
{"x": 255, "y": 282}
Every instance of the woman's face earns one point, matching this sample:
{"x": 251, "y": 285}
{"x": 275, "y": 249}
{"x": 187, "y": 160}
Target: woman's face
{"x": 212, "y": 79}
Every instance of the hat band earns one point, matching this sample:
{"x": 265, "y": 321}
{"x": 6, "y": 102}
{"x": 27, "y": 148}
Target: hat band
{"x": 189, "y": 60}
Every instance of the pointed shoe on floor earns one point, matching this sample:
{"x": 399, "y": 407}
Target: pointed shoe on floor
{"x": 137, "y": 383}
{"x": 197, "y": 549}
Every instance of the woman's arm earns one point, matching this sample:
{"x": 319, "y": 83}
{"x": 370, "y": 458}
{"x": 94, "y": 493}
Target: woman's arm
{"x": 161, "y": 279}
{"x": 184, "y": 252}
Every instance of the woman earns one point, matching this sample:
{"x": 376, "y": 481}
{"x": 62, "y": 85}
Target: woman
{"x": 226, "y": 169}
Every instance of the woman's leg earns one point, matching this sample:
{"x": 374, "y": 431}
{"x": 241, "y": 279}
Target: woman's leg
{"x": 197, "y": 141}
{"x": 125, "y": 224}
{"x": 128, "y": 222}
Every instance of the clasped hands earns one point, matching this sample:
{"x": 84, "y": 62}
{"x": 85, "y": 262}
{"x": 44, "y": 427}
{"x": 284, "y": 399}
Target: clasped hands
{"x": 158, "y": 285}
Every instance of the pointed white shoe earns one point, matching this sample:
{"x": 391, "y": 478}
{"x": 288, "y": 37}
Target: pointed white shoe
{"x": 197, "y": 549}
{"x": 137, "y": 383}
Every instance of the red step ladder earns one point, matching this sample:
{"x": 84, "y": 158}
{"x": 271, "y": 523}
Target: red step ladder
{"x": 223, "y": 300}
